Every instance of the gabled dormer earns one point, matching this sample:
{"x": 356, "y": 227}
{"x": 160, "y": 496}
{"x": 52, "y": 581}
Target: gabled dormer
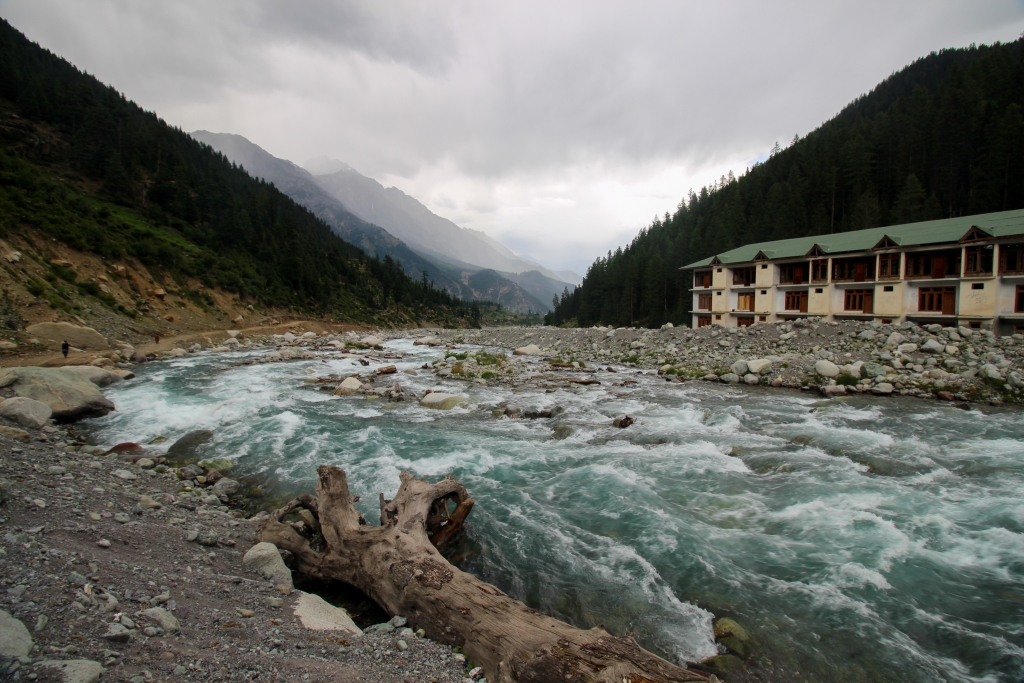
{"x": 886, "y": 243}
{"x": 715, "y": 262}
{"x": 817, "y": 250}
{"x": 764, "y": 255}
{"x": 975, "y": 234}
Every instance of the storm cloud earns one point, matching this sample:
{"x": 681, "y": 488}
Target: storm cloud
{"x": 557, "y": 128}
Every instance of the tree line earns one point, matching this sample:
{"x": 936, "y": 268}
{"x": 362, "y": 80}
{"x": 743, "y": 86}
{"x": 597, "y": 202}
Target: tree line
{"x": 943, "y": 137}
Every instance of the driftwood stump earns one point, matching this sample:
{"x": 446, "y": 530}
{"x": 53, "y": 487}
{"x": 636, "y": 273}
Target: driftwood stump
{"x": 399, "y": 565}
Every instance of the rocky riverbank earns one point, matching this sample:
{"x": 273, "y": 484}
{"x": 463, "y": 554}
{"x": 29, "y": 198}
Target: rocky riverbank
{"x": 122, "y": 571}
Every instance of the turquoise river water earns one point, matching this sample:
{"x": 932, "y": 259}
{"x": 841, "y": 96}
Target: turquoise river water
{"x": 859, "y": 540}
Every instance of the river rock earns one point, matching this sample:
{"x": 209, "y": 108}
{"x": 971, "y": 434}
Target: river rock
{"x": 759, "y": 366}
{"x": 187, "y": 445}
{"x": 826, "y": 368}
{"x": 739, "y": 368}
{"x": 882, "y": 389}
{"x": 226, "y": 487}
{"x": 907, "y": 348}
{"x": 15, "y": 640}
{"x": 835, "y": 390}
{"x": 116, "y": 633}
{"x": 752, "y": 379}
{"x": 933, "y": 346}
{"x": 266, "y": 559}
{"x": 872, "y": 369}
{"x": 990, "y": 371}
{"x": 895, "y": 339}
{"x": 730, "y": 378}
{"x": 217, "y": 464}
{"x": 442, "y": 401}
{"x": 319, "y": 615}
{"x": 529, "y": 350}
{"x": 349, "y": 386}
{"x": 26, "y": 411}
{"x": 85, "y": 338}
{"x": 101, "y": 377}
{"x": 167, "y": 621}
{"x": 427, "y": 341}
{"x": 867, "y": 334}
{"x": 70, "y": 396}
{"x": 74, "y": 670}
{"x": 372, "y": 341}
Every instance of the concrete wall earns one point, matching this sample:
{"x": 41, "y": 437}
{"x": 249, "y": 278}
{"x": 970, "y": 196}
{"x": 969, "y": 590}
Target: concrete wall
{"x": 818, "y": 304}
{"x": 766, "y": 274}
{"x": 889, "y": 304}
{"x": 979, "y": 302}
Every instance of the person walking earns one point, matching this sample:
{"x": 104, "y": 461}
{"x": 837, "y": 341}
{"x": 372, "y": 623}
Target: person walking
{"x": 158, "y": 339}
{"x": 65, "y": 347}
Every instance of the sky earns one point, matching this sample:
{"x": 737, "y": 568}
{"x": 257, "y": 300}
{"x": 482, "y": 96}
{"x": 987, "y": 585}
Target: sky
{"x": 558, "y": 128}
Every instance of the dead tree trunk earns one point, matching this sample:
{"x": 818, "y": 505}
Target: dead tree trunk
{"x": 398, "y": 565}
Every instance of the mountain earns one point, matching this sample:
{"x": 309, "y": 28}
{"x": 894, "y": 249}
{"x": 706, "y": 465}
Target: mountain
{"x": 299, "y": 184}
{"x": 942, "y": 137}
{"x": 84, "y": 167}
{"x": 435, "y": 237}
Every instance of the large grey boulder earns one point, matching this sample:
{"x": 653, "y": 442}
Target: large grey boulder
{"x": 79, "y": 337}
{"x": 349, "y": 386}
{"x": 759, "y": 366}
{"x": 318, "y": 615}
{"x": 730, "y": 378}
{"x": 933, "y": 346}
{"x": 872, "y": 369}
{"x": 187, "y": 445}
{"x": 739, "y": 368}
{"x": 15, "y": 640}
{"x": 907, "y": 348}
{"x": 882, "y": 389}
{"x": 266, "y": 559}
{"x": 752, "y": 379}
{"x": 74, "y": 670}
{"x": 442, "y": 401}
{"x": 27, "y": 412}
{"x": 98, "y": 376}
{"x": 528, "y": 350}
{"x": 226, "y": 487}
{"x": 826, "y": 368}
{"x": 70, "y": 396}
{"x": 895, "y": 339}
{"x": 989, "y": 371}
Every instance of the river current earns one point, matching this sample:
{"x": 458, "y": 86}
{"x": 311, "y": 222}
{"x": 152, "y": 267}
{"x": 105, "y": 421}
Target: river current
{"x": 855, "y": 540}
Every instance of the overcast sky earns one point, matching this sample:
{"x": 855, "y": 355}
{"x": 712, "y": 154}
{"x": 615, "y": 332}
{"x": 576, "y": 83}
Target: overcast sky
{"x": 559, "y": 128}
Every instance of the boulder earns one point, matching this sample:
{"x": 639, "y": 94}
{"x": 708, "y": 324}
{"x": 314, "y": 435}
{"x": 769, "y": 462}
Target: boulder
{"x": 266, "y": 559}
{"x": 907, "y": 348}
{"x": 289, "y": 337}
{"x": 989, "y": 371}
{"x": 933, "y": 346}
{"x": 667, "y": 326}
{"x": 69, "y": 395}
{"x": 15, "y": 640}
{"x": 15, "y": 433}
{"x": 233, "y": 333}
{"x": 739, "y": 368}
{"x": 349, "y": 386}
{"x": 752, "y": 379}
{"x": 759, "y": 366}
{"x": 529, "y": 350}
{"x": 427, "y": 341}
{"x": 187, "y": 445}
{"x": 168, "y": 622}
{"x": 73, "y": 670}
{"x": 835, "y": 390}
{"x": 882, "y": 389}
{"x": 26, "y": 411}
{"x": 372, "y": 341}
{"x": 827, "y": 368}
{"x": 97, "y": 375}
{"x": 442, "y": 401}
{"x": 872, "y": 369}
{"x": 895, "y": 339}
{"x": 176, "y": 353}
{"x": 730, "y": 378}
{"x": 84, "y": 338}
{"x": 318, "y": 615}
{"x": 867, "y": 334}
{"x": 226, "y": 487}
{"x": 217, "y": 464}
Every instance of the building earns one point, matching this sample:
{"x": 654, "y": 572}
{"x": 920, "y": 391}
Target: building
{"x": 965, "y": 271}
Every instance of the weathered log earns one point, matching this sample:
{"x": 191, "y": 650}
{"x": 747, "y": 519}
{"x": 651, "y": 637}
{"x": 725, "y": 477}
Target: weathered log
{"x": 399, "y": 565}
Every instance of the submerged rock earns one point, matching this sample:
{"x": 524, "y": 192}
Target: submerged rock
{"x": 187, "y": 445}
{"x": 442, "y": 401}
{"x": 349, "y": 386}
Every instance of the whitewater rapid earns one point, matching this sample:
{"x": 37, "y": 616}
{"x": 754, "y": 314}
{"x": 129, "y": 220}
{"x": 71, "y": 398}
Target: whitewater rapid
{"x": 856, "y": 540}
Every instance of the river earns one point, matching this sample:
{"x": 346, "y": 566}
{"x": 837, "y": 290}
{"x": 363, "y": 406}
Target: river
{"x": 855, "y": 540}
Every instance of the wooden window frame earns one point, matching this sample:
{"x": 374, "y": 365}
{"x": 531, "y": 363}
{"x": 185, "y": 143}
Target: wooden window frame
{"x": 979, "y": 260}
{"x": 1011, "y": 259}
{"x": 744, "y": 277}
{"x": 744, "y": 320}
{"x": 819, "y": 270}
{"x": 750, "y": 302}
{"x": 703, "y": 321}
{"x": 793, "y": 274}
{"x": 703, "y": 299}
{"x": 1019, "y": 300}
{"x": 795, "y": 301}
{"x": 702, "y": 280}
{"x": 889, "y": 266}
{"x": 859, "y": 300}
{"x": 939, "y": 300}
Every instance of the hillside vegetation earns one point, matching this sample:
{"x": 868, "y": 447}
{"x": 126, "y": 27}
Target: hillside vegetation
{"x": 942, "y": 137}
{"x": 86, "y": 167}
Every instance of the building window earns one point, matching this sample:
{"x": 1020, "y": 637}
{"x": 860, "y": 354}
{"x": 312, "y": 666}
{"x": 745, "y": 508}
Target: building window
{"x": 703, "y": 320}
{"x": 974, "y": 325}
{"x": 796, "y": 301}
{"x": 762, "y": 318}
{"x": 704, "y": 302}
{"x": 937, "y": 300}
{"x": 718, "y": 294}
{"x": 887, "y": 288}
{"x": 886, "y": 321}
{"x": 978, "y": 285}
{"x": 764, "y": 267}
{"x": 719, "y": 270}
{"x": 818, "y": 290}
{"x": 889, "y": 266}
{"x": 853, "y": 270}
{"x": 1019, "y": 307}
{"x": 745, "y": 302}
{"x": 819, "y": 270}
{"x": 764, "y": 291}
{"x": 859, "y": 300}
{"x": 718, "y": 317}
{"x": 743, "y": 277}
{"x": 1011, "y": 259}
{"x": 702, "y": 279}
{"x": 979, "y": 260}
{"x": 793, "y": 274}
{"x": 934, "y": 265}
{"x": 744, "y": 321}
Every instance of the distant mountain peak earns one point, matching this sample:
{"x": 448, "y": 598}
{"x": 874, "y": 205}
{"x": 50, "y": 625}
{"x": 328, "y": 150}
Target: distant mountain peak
{"x": 324, "y": 165}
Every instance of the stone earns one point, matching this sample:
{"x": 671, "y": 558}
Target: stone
{"x": 101, "y": 377}
{"x": 349, "y": 386}
{"x": 907, "y": 348}
{"x": 895, "y": 339}
{"x": 836, "y": 390}
{"x": 752, "y": 379}
{"x": 26, "y": 411}
{"x": 882, "y": 389}
{"x": 226, "y": 487}
{"x": 187, "y": 445}
{"x": 402, "y": 645}
{"x": 728, "y": 627}
{"x": 371, "y": 341}
{"x": 427, "y": 341}
{"x": 667, "y": 326}
{"x": 15, "y": 433}
{"x": 398, "y": 621}
{"x": 826, "y": 368}
{"x": 149, "y": 503}
{"x": 117, "y": 633}
{"x": 316, "y": 614}
{"x": 69, "y": 395}
{"x": 127, "y": 475}
{"x": 990, "y": 371}
{"x": 245, "y": 613}
{"x": 872, "y": 369}
{"x": 74, "y": 670}
{"x": 85, "y": 338}
{"x": 759, "y": 366}
{"x": 867, "y": 334}
{"x": 168, "y": 622}
{"x": 103, "y": 543}
{"x": 739, "y": 368}
{"x": 266, "y": 559}
{"x": 528, "y": 350}
{"x": 145, "y": 463}
{"x": 442, "y": 401}
{"x": 933, "y": 346}
{"x": 15, "y": 640}
{"x": 730, "y": 378}
{"x": 218, "y": 464}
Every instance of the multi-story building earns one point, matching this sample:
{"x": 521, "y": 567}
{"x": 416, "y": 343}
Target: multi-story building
{"x": 965, "y": 271}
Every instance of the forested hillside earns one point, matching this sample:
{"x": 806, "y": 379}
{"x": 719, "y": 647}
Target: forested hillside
{"x": 82, "y": 164}
{"x": 943, "y": 137}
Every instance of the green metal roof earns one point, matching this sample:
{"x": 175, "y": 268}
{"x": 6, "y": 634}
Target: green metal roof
{"x": 947, "y": 230}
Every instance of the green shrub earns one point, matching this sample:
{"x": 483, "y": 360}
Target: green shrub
{"x": 847, "y": 380}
